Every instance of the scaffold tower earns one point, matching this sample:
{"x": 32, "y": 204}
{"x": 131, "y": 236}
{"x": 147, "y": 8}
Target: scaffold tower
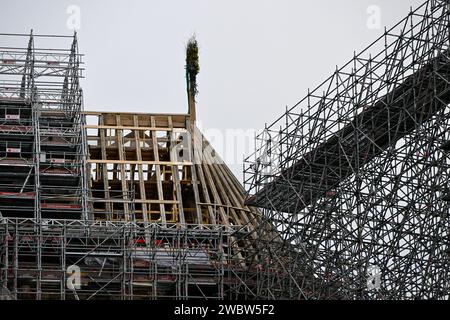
{"x": 355, "y": 176}
{"x": 42, "y": 148}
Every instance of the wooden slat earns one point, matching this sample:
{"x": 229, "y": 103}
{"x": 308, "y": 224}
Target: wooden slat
{"x": 125, "y": 193}
{"x": 158, "y": 173}
{"x": 212, "y": 185}
{"x": 201, "y": 176}
{"x": 144, "y": 119}
{"x": 135, "y": 127}
{"x": 175, "y": 177}
{"x": 105, "y": 171}
{"x": 195, "y": 182}
{"x": 137, "y": 141}
{"x": 228, "y": 182}
{"x": 162, "y": 163}
{"x": 114, "y": 200}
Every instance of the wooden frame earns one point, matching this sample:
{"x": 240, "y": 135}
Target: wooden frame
{"x": 136, "y": 174}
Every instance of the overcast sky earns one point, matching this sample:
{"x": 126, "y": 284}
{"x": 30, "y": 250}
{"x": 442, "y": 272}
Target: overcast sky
{"x": 256, "y": 56}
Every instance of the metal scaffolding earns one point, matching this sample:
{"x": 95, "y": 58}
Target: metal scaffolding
{"x": 355, "y": 176}
{"x": 115, "y": 260}
{"x": 134, "y": 206}
{"x": 42, "y": 148}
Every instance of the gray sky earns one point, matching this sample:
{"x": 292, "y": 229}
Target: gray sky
{"x": 256, "y": 56}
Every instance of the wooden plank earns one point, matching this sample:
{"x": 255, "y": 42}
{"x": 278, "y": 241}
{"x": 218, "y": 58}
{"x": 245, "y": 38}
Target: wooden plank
{"x": 195, "y": 182}
{"x": 158, "y": 173}
{"x": 239, "y": 191}
{"x": 199, "y": 143}
{"x": 251, "y": 216}
{"x": 99, "y": 113}
{"x": 162, "y": 163}
{"x": 175, "y": 177}
{"x": 204, "y": 188}
{"x": 228, "y": 183}
{"x": 137, "y": 141}
{"x": 212, "y": 186}
{"x": 123, "y": 178}
{"x": 225, "y": 206}
{"x": 246, "y": 214}
{"x": 201, "y": 176}
{"x": 135, "y": 127}
{"x": 144, "y": 119}
{"x": 100, "y": 200}
{"x": 105, "y": 170}
{"x": 222, "y": 193}
{"x": 236, "y": 192}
